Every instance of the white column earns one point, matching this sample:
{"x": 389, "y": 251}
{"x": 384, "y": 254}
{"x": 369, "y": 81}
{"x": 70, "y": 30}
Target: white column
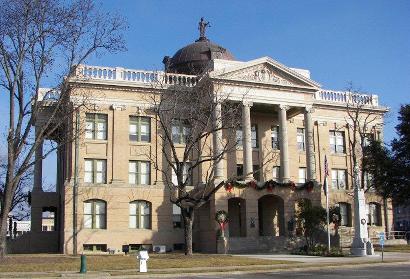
{"x": 310, "y": 153}
{"x": 284, "y": 152}
{"x": 247, "y": 140}
{"x": 38, "y": 168}
{"x": 217, "y": 141}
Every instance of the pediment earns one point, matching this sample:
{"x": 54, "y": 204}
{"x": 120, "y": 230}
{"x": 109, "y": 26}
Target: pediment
{"x": 266, "y": 71}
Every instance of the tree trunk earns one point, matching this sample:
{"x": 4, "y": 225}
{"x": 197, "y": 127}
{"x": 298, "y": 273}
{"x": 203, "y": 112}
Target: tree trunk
{"x": 188, "y": 215}
{"x": 3, "y": 226}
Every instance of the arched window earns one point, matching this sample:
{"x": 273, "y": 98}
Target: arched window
{"x": 95, "y": 214}
{"x": 140, "y": 215}
{"x": 345, "y": 214}
{"x": 374, "y": 214}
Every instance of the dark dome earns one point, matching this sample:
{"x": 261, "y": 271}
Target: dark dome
{"x": 194, "y": 58}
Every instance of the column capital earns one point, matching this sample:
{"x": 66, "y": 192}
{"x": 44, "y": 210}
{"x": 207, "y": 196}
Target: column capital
{"x": 309, "y": 109}
{"x": 118, "y": 107}
{"x": 284, "y": 107}
{"x": 247, "y": 103}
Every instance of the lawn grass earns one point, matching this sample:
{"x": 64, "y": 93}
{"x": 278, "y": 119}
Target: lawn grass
{"x": 394, "y": 248}
{"x": 44, "y": 263}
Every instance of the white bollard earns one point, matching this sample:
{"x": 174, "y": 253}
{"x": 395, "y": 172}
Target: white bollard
{"x": 143, "y": 257}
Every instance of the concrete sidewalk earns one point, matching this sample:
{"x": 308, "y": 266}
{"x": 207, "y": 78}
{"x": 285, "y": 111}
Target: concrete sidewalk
{"x": 299, "y": 263}
{"x": 388, "y": 256}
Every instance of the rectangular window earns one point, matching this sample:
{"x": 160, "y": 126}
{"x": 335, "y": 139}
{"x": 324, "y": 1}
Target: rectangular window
{"x": 96, "y": 126}
{"x": 256, "y": 172}
{"x": 140, "y": 129}
{"x": 239, "y": 137}
{"x": 275, "y": 137}
{"x": 140, "y": 215}
{"x": 302, "y": 175}
{"x": 339, "y": 179}
{"x": 373, "y": 216}
{"x": 300, "y": 138}
{"x": 337, "y": 142}
{"x": 180, "y": 131}
{"x": 254, "y": 137}
{"x": 186, "y": 174}
{"x": 139, "y": 172}
{"x": 95, "y": 247}
{"x": 95, "y": 171}
{"x": 239, "y": 170}
{"x": 255, "y": 169}
{"x": 94, "y": 214}
{"x": 276, "y": 173}
{"x": 176, "y": 216}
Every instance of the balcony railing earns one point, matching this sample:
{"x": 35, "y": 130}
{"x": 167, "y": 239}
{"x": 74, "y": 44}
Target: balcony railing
{"x": 344, "y": 97}
{"x": 134, "y": 76}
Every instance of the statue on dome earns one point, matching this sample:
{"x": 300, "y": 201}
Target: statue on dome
{"x": 202, "y": 25}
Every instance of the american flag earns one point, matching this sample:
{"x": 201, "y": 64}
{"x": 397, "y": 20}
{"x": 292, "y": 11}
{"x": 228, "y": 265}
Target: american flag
{"x": 325, "y": 187}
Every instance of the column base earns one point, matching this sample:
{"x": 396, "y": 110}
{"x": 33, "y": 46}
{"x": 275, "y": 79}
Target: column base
{"x": 222, "y": 245}
{"x": 358, "y": 248}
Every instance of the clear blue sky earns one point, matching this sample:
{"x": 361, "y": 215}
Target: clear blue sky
{"x": 365, "y": 42}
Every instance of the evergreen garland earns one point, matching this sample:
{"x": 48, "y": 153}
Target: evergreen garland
{"x": 268, "y": 185}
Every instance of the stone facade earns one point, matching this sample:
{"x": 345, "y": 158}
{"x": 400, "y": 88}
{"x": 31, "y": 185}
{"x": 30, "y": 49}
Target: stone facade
{"x": 273, "y": 95}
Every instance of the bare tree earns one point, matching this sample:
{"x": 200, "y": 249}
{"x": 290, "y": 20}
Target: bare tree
{"x": 196, "y": 129}
{"x": 41, "y": 42}
{"x": 362, "y": 122}
{"x": 20, "y": 204}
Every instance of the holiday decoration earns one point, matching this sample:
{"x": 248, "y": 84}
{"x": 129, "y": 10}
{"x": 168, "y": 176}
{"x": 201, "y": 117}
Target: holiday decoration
{"x": 268, "y": 185}
{"x": 221, "y": 217}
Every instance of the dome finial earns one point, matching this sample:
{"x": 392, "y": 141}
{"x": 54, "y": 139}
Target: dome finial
{"x": 202, "y": 25}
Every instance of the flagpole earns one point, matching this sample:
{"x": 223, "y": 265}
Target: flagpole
{"x": 326, "y": 189}
{"x": 327, "y": 216}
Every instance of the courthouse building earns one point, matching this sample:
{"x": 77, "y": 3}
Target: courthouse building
{"x": 122, "y": 202}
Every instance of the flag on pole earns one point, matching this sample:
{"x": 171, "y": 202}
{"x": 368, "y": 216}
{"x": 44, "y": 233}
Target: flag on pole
{"x": 325, "y": 187}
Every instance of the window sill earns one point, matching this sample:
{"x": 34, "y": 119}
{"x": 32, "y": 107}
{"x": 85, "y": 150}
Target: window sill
{"x": 134, "y": 142}
{"x": 88, "y": 184}
{"x": 140, "y": 229}
{"x": 95, "y": 141}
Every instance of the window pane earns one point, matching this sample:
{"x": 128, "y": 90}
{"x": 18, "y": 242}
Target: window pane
{"x": 239, "y": 137}
{"x": 145, "y": 224}
{"x": 133, "y": 221}
{"x": 254, "y": 136}
{"x": 87, "y": 208}
{"x": 100, "y": 222}
{"x": 176, "y": 134}
{"x": 99, "y": 178}
{"x": 100, "y": 207}
{"x": 88, "y": 221}
{"x": 89, "y": 127}
{"x": 100, "y": 165}
{"x": 133, "y": 208}
{"x": 101, "y": 130}
{"x": 144, "y": 179}
{"x": 88, "y": 177}
{"x": 132, "y": 167}
{"x": 88, "y": 165}
{"x": 133, "y": 129}
{"x": 302, "y": 175}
